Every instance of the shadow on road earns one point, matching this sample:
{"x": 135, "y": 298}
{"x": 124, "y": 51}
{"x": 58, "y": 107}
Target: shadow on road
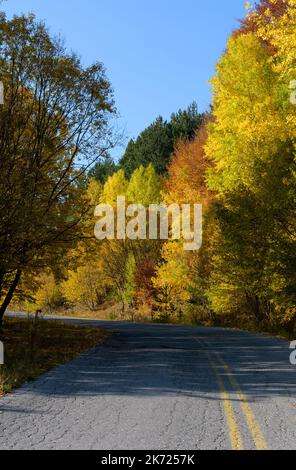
{"x": 154, "y": 360}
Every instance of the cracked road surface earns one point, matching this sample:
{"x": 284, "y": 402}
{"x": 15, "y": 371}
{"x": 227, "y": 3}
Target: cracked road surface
{"x": 160, "y": 387}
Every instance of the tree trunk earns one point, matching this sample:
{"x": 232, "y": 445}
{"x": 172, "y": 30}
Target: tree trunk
{"x": 9, "y": 295}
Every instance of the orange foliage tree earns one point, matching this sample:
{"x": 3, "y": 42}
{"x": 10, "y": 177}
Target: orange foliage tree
{"x": 186, "y": 184}
{"x": 250, "y": 24}
{"x": 186, "y": 181}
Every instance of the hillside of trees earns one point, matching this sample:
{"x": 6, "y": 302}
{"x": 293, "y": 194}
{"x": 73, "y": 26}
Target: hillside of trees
{"x": 238, "y": 161}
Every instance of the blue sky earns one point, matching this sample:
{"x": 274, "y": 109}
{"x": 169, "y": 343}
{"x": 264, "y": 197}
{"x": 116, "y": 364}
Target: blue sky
{"x": 159, "y": 54}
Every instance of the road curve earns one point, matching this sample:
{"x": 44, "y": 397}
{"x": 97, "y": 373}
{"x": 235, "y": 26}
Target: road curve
{"x": 160, "y": 387}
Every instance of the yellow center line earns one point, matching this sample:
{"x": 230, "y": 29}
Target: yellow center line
{"x": 252, "y": 423}
{"x": 251, "y": 420}
{"x": 233, "y": 428}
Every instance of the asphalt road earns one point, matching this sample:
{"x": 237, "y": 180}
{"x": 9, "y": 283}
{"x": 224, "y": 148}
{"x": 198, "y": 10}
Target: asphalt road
{"x": 160, "y": 388}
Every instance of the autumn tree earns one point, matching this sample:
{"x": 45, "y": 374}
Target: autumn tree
{"x": 48, "y": 295}
{"x": 86, "y": 285}
{"x": 251, "y": 143}
{"x": 130, "y": 281}
{"x": 122, "y": 258}
{"x": 186, "y": 184}
{"x": 55, "y": 114}
{"x": 144, "y": 186}
{"x": 172, "y": 281}
{"x": 146, "y": 293}
{"x": 266, "y": 10}
{"x": 116, "y": 185}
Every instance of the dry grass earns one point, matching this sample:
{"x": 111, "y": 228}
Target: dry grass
{"x": 32, "y": 347}
{"x": 107, "y": 311}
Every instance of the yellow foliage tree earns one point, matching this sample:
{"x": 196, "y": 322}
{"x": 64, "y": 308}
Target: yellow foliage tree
{"x": 144, "y": 186}
{"x": 86, "y": 286}
{"x": 249, "y": 127}
{"x": 173, "y": 280}
{"x": 115, "y": 186}
{"x": 43, "y": 292}
{"x": 280, "y": 32}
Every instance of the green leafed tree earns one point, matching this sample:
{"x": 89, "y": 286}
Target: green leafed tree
{"x": 103, "y": 169}
{"x": 156, "y": 143}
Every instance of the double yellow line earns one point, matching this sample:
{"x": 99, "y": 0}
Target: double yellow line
{"x": 233, "y": 427}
